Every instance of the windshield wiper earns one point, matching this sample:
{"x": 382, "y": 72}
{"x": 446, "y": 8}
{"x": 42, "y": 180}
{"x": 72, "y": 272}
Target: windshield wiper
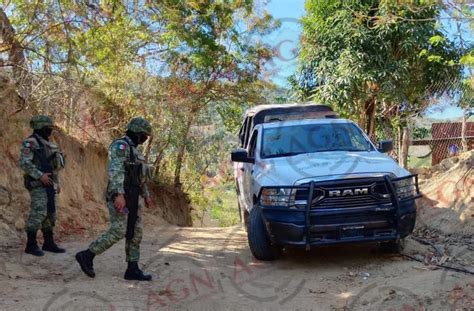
{"x": 356, "y": 150}
{"x": 339, "y": 149}
{"x": 289, "y": 154}
{"x": 285, "y": 154}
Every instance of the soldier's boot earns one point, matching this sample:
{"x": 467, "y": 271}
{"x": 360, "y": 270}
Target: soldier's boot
{"x": 86, "y": 261}
{"x": 32, "y": 245}
{"x": 49, "y": 244}
{"x": 134, "y": 273}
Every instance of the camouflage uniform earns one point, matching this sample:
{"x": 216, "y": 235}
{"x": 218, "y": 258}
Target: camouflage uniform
{"x": 119, "y": 153}
{"x": 128, "y": 174}
{"x": 38, "y": 157}
{"x": 31, "y": 165}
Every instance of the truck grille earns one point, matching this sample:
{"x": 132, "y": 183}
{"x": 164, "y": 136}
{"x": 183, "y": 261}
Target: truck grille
{"x": 346, "y": 195}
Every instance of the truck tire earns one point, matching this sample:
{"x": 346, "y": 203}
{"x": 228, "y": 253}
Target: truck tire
{"x": 259, "y": 241}
{"x": 393, "y": 247}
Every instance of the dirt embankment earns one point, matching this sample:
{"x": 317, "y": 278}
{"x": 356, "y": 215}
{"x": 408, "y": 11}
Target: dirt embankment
{"x": 447, "y": 205}
{"x": 81, "y": 206}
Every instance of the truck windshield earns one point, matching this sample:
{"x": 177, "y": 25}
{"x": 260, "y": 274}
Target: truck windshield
{"x": 286, "y": 141}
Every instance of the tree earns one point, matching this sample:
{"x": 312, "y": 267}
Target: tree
{"x": 16, "y": 56}
{"x": 373, "y": 58}
{"x": 461, "y": 12}
{"x": 163, "y": 59}
{"x": 97, "y": 64}
{"x": 212, "y": 58}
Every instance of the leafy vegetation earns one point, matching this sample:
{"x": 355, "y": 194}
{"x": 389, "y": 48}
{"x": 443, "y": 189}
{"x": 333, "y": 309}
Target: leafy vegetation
{"x": 93, "y": 65}
{"x": 374, "y": 60}
{"x": 192, "y": 67}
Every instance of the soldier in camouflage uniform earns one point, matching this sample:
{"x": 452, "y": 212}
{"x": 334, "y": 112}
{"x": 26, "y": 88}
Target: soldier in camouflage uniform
{"x": 122, "y": 152}
{"x": 41, "y": 160}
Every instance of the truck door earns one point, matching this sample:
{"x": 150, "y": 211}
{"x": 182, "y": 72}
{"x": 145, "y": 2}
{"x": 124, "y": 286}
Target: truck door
{"x": 248, "y": 168}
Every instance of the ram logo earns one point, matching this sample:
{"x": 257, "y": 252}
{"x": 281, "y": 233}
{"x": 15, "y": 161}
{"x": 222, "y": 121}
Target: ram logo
{"x": 348, "y": 192}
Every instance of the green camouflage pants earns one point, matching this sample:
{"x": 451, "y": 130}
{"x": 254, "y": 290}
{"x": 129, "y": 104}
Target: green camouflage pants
{"x": 38, "y": 218}
{"x": 116, "y": 232}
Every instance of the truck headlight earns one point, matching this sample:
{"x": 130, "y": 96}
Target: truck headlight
{"x": 283, "y": 197}
{"x": 405, "y": 187}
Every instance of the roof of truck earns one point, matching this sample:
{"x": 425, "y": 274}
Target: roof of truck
{"x": 293, "y": 106}
{"x": 304, "y": 122}
{"x": 282, "y": 112}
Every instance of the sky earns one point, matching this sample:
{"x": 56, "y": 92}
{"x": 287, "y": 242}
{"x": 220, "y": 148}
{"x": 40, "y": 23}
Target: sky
{"x": 285, "y": 40}
{"x": 285, "y": 44}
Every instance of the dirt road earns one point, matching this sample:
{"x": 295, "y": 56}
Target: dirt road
{"x": 212, "y": 269}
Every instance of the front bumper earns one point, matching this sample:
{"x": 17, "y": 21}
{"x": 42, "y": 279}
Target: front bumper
{"x": 312, "y": 226}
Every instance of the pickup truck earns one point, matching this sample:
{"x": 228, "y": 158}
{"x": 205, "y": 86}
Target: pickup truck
{"x": 305, "y": 178}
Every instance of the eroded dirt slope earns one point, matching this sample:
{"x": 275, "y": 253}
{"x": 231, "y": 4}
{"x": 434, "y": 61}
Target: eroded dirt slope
{"x": 81, "y": 207}
{"x": 447, "y": 205}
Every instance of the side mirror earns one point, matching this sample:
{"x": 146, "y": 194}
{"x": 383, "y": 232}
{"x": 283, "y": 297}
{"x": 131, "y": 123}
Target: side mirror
{"x": 385, "y": 146}
{"x": 241, "y": 155}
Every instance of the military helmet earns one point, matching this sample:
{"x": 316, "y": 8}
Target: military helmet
{"x": 38, "y": 122}
{"x": 139, "y": 125}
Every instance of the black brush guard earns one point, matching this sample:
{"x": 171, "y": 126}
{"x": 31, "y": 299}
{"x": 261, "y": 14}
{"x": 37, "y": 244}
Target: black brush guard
{"x": 410, "y": 192}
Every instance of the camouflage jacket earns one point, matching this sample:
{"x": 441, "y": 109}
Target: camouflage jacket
{"x": 30, "y": 160}
{"x": 119, "y": 154}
